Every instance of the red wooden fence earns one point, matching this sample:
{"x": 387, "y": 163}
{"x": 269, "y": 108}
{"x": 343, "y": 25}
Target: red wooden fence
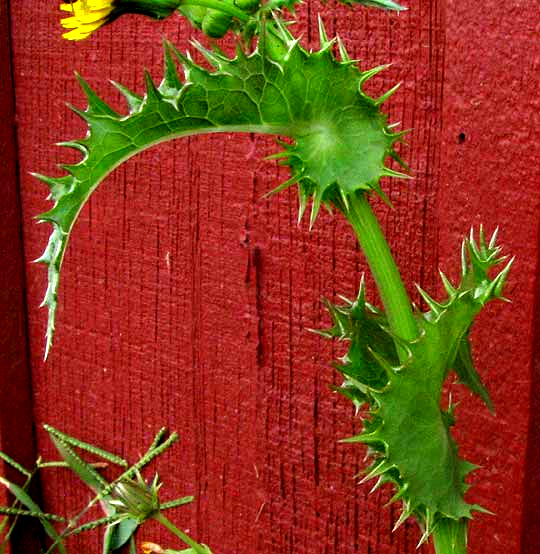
{"x": 186, "y": 298}
{"x": 16, "y": 432}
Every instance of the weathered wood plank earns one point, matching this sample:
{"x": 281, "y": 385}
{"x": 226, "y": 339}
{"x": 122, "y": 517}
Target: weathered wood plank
{"x": 16, "y": 422}
{"x": 491, "y": 177}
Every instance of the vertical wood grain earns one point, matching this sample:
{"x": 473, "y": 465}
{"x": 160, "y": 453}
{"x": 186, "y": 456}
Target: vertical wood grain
{"x": 16, "y": 425}
{"x": 491, "y": 177}
{"x": 530, "y": 521}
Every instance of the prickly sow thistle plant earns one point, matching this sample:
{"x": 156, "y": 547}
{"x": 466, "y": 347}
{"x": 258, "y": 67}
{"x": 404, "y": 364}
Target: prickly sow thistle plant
{"x": 398, "y": 357}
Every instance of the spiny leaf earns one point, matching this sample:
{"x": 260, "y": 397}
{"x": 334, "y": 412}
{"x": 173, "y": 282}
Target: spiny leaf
{"x": 340, "y": 137}
{"x": 408, "y": 433}
{"x": 133, "y": 100}
{"x": 465, "y": 370}
{"x": 359, "y": 323}
{"x": 95, "y": 104}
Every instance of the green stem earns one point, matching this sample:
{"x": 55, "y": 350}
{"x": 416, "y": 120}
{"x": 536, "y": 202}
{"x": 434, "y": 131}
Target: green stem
{"x": 450, "y": 536}
{"x": 180, "y": 534}
{"x": 383, "y": 267}
{"x": 218, "y": 5}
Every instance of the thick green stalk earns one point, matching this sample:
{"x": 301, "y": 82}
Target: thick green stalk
{"x": 450, "y": 536}
{"x": 383, "y": 267}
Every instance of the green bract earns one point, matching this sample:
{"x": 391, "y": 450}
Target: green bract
{"x": 340, "y": 137}
{"x": 216, "y": 17}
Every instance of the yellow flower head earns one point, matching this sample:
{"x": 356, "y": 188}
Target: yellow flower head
{"x": 89, "y": 15}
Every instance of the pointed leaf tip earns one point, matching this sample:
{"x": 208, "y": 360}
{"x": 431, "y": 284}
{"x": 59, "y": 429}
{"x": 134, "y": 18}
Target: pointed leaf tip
{"x": 387, "y": 172}
{"x": 433, "y": 305}
{"x": 209, "y": 56}
{"x": 395, "y": 156}
{"x": 302, "y": 204}
{"x": 285, "y": 185}
{"x": 384, "y": 97}
{"x": 501, "y": 278}
{"x": 402, "y": 491}
{"x": 315, "y": 208}
{"x": 95, "y": 104}
{"x": 377, "y": 470}
{"x": 493, "y": 239}
{"x": 81, "y": 113}
{"x": 405, "y": 515}
{"x": 323, "y": 37}
{"x": 384, "y": 4}
{"x": 133, "y": 100}
{"x": 366, "y": 75}
{"x": 448, "y": 287}
{"x": 152, "y": 91}
{"x": 171, "y": 78}
{"x": 343, "y": 50}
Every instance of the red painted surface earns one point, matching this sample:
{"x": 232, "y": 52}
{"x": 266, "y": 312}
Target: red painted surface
{"x": 186, "y": 299}
{"x": 15, "y": 396}
{"x": 491, "y": 98}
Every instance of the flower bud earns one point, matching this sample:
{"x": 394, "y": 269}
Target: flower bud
{"x": 136, "y": 499}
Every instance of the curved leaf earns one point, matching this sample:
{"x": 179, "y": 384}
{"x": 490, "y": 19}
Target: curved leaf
{"x": 340, "y": 137}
